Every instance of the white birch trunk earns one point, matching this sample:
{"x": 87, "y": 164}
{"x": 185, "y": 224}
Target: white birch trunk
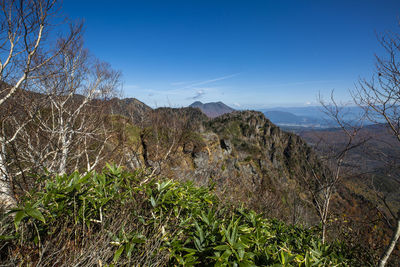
{"x": 64, "y": 155}
{"x": 7, "y": 199}
{"x": 392, "y": 244}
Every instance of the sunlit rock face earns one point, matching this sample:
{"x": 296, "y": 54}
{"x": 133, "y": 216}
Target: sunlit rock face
{"x": 241, "y": 152}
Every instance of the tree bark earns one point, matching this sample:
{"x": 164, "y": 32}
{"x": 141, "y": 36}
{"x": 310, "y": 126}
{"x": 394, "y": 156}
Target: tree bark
{"x": 392, "y": 244}
{"x": 7, "y": 199}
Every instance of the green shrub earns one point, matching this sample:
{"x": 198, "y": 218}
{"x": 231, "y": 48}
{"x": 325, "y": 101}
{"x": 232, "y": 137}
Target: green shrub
{"x": 142, "y": 220}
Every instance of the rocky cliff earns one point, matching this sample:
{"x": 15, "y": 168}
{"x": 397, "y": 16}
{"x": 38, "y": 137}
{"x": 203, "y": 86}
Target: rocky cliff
{"x": 243, "y": 153}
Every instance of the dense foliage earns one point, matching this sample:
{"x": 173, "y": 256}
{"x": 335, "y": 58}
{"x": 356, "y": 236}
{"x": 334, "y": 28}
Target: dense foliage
{"x": 120, "y": 218}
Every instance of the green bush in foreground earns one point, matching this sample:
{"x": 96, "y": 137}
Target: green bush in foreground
{"x": 120, "y": 218}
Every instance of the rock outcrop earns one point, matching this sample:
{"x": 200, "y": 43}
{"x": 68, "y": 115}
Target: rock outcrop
{"x": 243, "y": 153}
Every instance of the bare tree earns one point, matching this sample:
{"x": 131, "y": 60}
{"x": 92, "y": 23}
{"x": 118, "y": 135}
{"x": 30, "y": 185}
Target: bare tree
{"x": 25, "y": 48}
{"x": 131, "y": 136}
{"x": 71, "y": 131}
{"x": 380, "y": 98}
{"x": 325, "y": 179}
{"x": 166, "y": 133}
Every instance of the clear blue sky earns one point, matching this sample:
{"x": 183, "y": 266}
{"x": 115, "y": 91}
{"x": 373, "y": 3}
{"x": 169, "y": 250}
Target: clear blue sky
{"x": 248, "y": 54}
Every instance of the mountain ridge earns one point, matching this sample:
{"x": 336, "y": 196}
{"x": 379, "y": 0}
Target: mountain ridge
{"x": 212, "y": 109}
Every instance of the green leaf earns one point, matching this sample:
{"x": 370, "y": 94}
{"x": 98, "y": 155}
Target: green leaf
{"x": 7, "y": 237}
{"x": 129, "y": 249}
{"x": 153, "y": 202}
{"x": 221, "y": 247}
{"x": 35, "y": 213}
{"x": 246, "y": 264}
{"x": 200, "y": 232}
{"x": 241, "y": 254}
{"x": 189, "y": 250}
{"x": 18, "y": 218}
{"x": 226, "y": 254}
{"x": 198, "y": 245}
{"x": 138, "y": 240}
{"x": 118, "y": 253}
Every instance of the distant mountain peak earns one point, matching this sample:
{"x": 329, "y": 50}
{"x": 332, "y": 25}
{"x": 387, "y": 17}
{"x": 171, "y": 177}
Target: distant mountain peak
{"x": 212, "y": 109}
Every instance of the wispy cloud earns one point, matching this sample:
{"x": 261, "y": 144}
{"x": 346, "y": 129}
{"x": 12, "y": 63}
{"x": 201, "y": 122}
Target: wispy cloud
{"x": 182, "y": 83}
{"x": 184, "y": 90}
{"x": 210, "y": 81}
{"x": 199, "y": 94}
{"x": 236, "y": 104}
{"x": 191, "y": 84}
